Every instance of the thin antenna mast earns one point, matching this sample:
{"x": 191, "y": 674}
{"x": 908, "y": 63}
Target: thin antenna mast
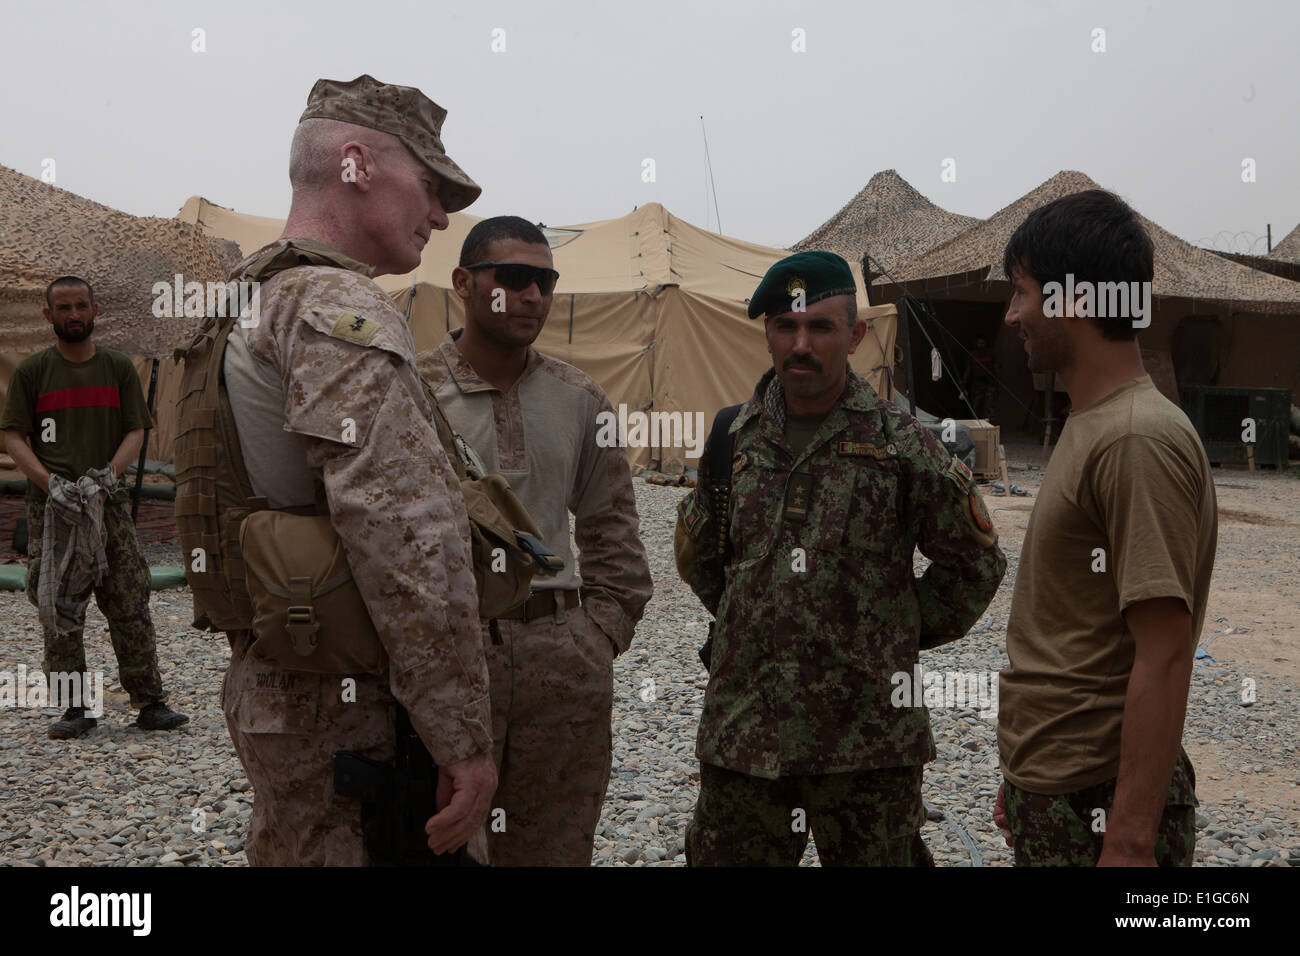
{"x": 709, "y": 163}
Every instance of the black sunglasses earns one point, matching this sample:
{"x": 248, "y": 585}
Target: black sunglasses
{"x": 518, "y": 276}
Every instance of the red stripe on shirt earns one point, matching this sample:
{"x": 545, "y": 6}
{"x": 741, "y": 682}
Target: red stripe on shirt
{"x": 90, "y": 396}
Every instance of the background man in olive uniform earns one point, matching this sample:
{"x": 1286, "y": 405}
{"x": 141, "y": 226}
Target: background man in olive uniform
{"x": 325, "y": 395}
{"x": 97, "y": 416}
{"x": 980, "y": 378}
{"x": 832, "y": 490}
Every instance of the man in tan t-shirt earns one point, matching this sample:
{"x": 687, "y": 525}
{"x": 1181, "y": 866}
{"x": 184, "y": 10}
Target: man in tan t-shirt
{"x": 1115, "y": 571}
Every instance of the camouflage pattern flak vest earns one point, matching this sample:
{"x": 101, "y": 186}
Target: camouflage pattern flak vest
{"x": 213, "y": 492}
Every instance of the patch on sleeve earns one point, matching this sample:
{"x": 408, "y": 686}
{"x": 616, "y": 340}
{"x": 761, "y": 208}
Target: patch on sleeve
{"x": 692, "y": 516}
{"x": 959, "y": 473}
{"x": 978, "y": 516}
{"x": 354, "y": 328}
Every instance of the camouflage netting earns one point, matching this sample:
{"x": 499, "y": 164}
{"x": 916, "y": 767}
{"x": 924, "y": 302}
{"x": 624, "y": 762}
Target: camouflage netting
{"x": 1182, "y": 270}
{"x": 888, "y": 219}
{"x": 1288, "y": 250}
{"x": 46, "y": 232}
{"x": 228, "y": 252}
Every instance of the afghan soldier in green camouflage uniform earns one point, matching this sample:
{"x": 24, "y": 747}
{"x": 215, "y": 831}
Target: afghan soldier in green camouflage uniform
{"x": 832, "y": 489}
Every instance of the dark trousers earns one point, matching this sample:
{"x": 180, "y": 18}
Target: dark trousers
{"x": 863, "y": 818}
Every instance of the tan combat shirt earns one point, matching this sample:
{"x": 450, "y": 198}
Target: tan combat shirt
{"x": 541, "y": 437}
{"x": 353, "y": 413}
{"x": 1126, "y": 513}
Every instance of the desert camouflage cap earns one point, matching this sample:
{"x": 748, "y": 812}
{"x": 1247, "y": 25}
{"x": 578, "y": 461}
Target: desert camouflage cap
{"x": 406, "y": 113}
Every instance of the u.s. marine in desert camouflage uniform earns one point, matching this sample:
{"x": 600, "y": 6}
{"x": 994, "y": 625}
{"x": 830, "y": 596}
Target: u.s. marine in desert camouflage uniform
{"x": 817, "y": 605}
{"x": 328, "y": 406}
{"x": 354, "y": 405}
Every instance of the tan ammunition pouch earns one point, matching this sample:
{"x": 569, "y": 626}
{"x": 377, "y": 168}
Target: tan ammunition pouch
{"x": 307, "y": 612}
{"x": 285, "y": 574}
{"x": 503, "y": 572}
{"x": 280, "y": 573}
{"x": 503, "y": 565}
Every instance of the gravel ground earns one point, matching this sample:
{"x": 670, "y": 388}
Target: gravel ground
{"x": 121, "y": 796}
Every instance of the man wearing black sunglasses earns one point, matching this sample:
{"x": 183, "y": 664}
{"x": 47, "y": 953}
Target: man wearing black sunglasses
{"x": 518, "y": 276}
{"x": 532, "y": 419}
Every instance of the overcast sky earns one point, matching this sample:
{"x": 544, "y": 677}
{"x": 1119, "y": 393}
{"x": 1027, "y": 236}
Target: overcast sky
{"x": 556, "y": 127}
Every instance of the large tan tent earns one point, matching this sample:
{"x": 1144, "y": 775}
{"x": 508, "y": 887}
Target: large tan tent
{"x": 46, "y": 232}
{"x": 649, "y": 305}
{"x": 1221, "y": 322}
{"x": 890, "y": 221}
{"x": 217, "y": 222}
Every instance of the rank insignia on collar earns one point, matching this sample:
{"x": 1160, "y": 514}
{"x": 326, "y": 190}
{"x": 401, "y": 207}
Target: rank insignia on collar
{"x": 798, "y": 496}
{"x": 740, "y": 462}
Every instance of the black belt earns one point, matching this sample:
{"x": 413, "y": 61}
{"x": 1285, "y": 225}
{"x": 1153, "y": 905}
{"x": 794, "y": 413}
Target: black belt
{"x": 543, "y": 602}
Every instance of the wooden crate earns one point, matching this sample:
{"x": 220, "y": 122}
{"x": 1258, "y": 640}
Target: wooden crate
{"x": 987, "y": 437}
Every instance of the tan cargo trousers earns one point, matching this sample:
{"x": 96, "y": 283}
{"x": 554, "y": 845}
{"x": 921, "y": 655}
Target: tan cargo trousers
{"x": 286, "y": 726}
{"x": 552, "y": 691}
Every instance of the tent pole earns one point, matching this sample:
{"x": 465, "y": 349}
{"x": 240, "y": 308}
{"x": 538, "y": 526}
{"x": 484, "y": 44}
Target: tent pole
{"x": 904, "y": 326}
{"x": 144, "y": 445}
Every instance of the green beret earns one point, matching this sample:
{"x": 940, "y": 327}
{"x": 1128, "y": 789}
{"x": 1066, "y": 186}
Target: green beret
{"x": 819, "y": 274}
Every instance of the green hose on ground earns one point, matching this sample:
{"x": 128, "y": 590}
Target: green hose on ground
{"x": 13, "y": 577}
{"x": 163, "y": 492}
